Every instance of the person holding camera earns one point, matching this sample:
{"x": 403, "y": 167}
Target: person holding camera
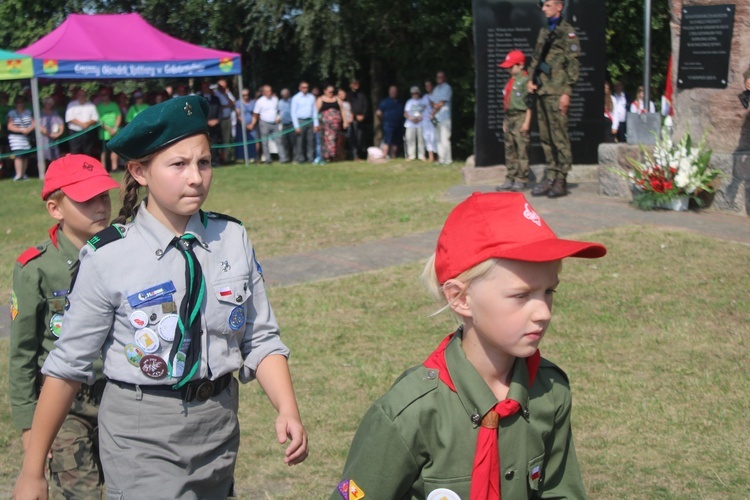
{"x": 555, "y": 70}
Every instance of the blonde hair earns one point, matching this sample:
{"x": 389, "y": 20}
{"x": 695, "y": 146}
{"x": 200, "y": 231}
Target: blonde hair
{"x": 57, "y": 195}
{"x": 130, "y": 190}
{"x": 435, "y": 288}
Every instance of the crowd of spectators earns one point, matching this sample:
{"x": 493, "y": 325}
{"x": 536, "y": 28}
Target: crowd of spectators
{"x": 315, "y": 125}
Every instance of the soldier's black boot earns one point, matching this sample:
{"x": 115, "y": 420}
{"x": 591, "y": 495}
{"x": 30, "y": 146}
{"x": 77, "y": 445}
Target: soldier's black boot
{"x": 559, "y": 188}
{"x": 542, "y": 188}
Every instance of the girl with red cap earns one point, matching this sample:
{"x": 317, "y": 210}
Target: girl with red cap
{"x": 485, "y": 416}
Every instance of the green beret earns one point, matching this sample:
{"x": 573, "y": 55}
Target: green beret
{"x": 161, "y": 125}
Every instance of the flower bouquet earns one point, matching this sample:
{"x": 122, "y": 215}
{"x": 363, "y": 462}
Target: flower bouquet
{"x": 675, "y": 172}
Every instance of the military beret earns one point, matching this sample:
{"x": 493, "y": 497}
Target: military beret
{"x": 161, "y": 125}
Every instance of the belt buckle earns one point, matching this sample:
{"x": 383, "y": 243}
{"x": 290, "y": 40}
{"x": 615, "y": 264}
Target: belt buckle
{"x": 204, "y": 391}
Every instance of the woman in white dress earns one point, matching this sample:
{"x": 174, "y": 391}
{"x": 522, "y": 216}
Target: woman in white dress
{"x": 428, "y": 129}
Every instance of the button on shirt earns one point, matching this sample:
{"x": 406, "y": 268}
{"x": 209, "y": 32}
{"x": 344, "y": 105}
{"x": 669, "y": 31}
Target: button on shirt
{"x": 267, "y": 108}
{"x": 99, "y": 314}
{"x": 303, "y": 108}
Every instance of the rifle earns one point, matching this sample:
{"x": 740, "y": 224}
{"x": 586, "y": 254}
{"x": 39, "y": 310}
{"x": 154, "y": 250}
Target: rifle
{"x": 541, "y": 67}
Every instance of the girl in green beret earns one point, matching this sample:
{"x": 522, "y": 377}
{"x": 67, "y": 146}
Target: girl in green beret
{"x": 173, "y": 299}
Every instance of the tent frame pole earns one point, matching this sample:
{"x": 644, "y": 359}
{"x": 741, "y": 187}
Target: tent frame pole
{"x": 242, "y": 121}
{"x": 37, "y": 131}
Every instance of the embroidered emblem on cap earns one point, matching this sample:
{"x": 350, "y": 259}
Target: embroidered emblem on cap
{"x": 88, "y": 167}
{"x": 153, "y": 366}
{"x": 443, "y": 494}
{"x": 349, "y": 490}
{"x": 188, "y": 109}
{"x": 529, "y": 213}
{"x": 55, "y": 324}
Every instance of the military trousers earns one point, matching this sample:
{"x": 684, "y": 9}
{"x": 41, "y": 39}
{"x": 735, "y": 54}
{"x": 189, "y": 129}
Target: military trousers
{"x": 553, "y": 134}
{"x": 159, "y": 447}
{"x": 516, "y": 147}
{"x": 74, "y": 466}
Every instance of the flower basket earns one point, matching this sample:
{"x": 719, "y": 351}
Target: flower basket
{"x": 675, "y": 175}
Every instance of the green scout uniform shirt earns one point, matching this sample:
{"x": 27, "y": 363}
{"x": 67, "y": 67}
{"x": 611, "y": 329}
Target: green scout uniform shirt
{"x": 134, "y": 110}
{"x": 40, "y": 288}
{"x": 421, "y": 436}
{"x": 562, "y": 59}
{"x": 517, "y": 95}
{"x": 108, "y": 114}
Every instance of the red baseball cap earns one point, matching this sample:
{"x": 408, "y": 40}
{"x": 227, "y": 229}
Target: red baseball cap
{"x": 502, "y": 226}
{"x": 514, "y": 57}
{"x": 80, "y": 177}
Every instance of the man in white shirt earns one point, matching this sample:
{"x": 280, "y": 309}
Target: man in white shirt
{"x": 80, "y": 115}
{"x": 266, "y": 117}
{"x": 620, "y": 111}
{"x": 441, "y": 112}
{"x": 414, "y": 113}
{"x": 303, "y": 110}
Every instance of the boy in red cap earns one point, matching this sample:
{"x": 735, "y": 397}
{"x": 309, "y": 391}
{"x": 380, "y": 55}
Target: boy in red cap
{"x": 484, "y": 415}
{"x": 76, "y": 192}
{"x": 516, "y": 123}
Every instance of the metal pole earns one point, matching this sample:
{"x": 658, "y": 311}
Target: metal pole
{"x": 647, "y": 56}
{"x": 242, "y": 121}
{"x": 38, "y": 121}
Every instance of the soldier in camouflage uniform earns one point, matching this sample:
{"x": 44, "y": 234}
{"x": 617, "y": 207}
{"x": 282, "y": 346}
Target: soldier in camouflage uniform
{"x": 558, "y": 72}
{"x": 76, "y": 194}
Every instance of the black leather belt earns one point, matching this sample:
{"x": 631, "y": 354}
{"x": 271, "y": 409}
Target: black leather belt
{"x": 197, "y": 390}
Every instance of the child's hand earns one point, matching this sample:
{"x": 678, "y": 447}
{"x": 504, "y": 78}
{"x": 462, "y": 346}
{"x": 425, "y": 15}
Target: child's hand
{"x": 290, "y": 426}
{"x": 32, "y": 488}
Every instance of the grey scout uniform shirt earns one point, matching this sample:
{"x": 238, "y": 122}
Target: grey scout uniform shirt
{"x": 40, "y": 287}
{"x": 420, "y": 436}
{"x": 562, "y": 59}
{"x": 99, "y": 315}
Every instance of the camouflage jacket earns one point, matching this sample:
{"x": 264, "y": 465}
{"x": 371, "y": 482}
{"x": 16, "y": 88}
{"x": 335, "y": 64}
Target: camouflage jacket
{"x": 562, "y": 59}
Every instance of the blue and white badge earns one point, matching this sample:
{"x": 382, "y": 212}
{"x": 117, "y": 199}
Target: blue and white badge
{"x": 178, "y": 367}
{"x": 151, "y": 294}
{"x": 237, "y": 318}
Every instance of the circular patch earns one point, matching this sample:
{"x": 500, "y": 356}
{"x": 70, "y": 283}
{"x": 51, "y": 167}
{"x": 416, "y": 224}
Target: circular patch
{"x": 168, "y": 326}
{"x": 139, "y": 319}
{"x": 443, "y": 494}
{"x": 573, "y": 47}
{"x": 237, "y": 318}
{"x": 134, "y": 354}
{"x": 55, "y": 324}
{"x": 147, "y": 340}
{"x": 153, "y": 366}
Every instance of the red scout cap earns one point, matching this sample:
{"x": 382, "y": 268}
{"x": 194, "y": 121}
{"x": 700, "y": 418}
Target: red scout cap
{"x": 502, "y": 226}
{"x": 80, "y": 177}
{"x": 514, "y": 57}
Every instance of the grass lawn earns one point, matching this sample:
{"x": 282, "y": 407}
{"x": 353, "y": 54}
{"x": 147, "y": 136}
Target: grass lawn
{"x": 286, "y": 208}
{"x": 654, "y": 338}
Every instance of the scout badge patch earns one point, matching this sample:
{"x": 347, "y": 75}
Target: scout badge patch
{"x": 350, "y": 491}
{"x": 13, "y": 306}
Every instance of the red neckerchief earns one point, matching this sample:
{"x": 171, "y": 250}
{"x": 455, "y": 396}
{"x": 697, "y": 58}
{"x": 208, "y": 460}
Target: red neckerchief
{"x": 53, "y": 234}
{"x": 506, "y": 93}
{"x": 485, "y": 475}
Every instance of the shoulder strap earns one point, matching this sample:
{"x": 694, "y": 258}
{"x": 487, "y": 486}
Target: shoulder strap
{"x": 105, "y": 236}
{"x": 30, "y": 254}
{"x": 217, "y": 216}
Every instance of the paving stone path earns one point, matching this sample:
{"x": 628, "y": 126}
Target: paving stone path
{"x": 582, "y": 212}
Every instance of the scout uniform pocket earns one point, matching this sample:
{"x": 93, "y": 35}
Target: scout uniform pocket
{"x": 231, "y": 313}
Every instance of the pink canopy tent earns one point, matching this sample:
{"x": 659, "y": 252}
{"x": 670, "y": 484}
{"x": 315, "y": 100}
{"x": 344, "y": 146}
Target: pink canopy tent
{"x": 117, "y": 46}
{"x": 120, "y": 46}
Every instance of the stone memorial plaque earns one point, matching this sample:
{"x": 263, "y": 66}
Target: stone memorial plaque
{"x": 705, "y": 42}
{"x": 501, "y": 26}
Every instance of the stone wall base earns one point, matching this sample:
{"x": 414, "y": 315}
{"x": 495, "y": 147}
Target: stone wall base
{"x": 732, "y": 195}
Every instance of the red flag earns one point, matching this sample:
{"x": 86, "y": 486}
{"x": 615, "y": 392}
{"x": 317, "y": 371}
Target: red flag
{"x": 668, "y": 88}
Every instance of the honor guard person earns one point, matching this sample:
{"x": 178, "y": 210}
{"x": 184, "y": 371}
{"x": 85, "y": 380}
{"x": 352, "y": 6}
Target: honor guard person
{"x": 555, "y": 69}
{"x": 76, "y": 193}
{"x": 485, "y": 416}
{"x": 173, "y": 299}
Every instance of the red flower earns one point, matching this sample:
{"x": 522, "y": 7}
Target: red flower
{"x": 668, "y": 185}
{"x": 657, "y": 186}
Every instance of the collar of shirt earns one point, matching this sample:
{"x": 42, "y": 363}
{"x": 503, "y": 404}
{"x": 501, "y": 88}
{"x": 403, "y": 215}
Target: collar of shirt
{"x": 159, "y": 238}
{"x": 67, "y": 249}
{"x": 474, "y": 393}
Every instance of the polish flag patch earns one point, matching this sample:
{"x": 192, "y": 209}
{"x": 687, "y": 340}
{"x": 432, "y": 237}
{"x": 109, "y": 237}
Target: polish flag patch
{"x": 225, "y": 291}
{"x": 535, "y": 473}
